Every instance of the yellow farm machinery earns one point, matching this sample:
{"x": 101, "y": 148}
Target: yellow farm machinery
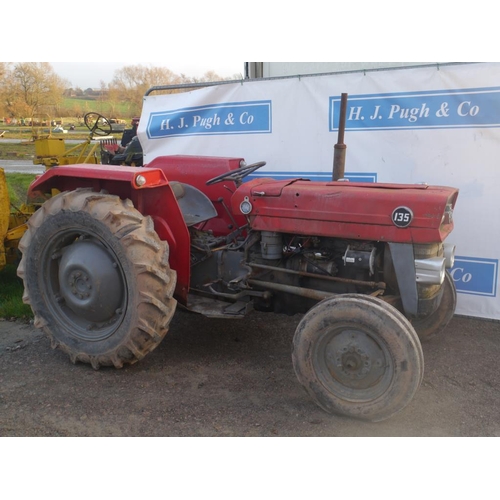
{"x": 51, "y": 152}
{"x": 12, "y": 224}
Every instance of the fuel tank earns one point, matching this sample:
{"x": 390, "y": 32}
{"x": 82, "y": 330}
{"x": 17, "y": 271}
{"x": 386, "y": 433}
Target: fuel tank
{"x": 402, "y": 213}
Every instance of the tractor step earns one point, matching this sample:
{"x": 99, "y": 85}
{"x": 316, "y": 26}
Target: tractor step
{"x": 213, "y": 308}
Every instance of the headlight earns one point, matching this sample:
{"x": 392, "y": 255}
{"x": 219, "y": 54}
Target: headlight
{"x": 140, "y": 180}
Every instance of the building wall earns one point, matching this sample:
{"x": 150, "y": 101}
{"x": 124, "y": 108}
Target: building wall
{"x": 276, "y": 69}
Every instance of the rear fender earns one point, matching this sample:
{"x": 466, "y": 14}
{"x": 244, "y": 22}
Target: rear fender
{"x": 149, "y": 191}
{"x": 196, "y": 171}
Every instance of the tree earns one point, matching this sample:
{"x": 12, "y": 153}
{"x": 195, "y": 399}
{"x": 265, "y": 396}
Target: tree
{"x": 211, "y": 76}
{"x": 31, "y": 88}
{"x": 131, "y": 83}
{"x": 4, "y": 69}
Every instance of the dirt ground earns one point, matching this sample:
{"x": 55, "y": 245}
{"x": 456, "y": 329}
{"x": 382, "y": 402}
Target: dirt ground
{"x": 234, "y": 378}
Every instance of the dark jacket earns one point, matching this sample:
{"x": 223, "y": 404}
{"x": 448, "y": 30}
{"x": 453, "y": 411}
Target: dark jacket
{"x": 128, "y": 135}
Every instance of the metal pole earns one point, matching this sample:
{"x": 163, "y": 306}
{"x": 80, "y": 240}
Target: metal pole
{"x": 340, "y": 148}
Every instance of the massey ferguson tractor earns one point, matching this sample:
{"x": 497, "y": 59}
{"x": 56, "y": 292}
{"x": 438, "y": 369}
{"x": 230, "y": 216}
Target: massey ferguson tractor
{"x": 113, "y": 250}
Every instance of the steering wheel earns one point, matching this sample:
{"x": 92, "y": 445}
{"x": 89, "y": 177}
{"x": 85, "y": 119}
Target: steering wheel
{"x": 97, "y": 124}
{"x": 236, "y": 175}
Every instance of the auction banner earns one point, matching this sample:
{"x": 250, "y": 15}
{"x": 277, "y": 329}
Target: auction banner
{"x": 431, "y": 124}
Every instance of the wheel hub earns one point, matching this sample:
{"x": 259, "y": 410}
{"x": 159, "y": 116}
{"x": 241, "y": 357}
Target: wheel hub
{"x": 80, "y": 284}
{"x": 354, "y": 359}
{"x": 90, "y": 282}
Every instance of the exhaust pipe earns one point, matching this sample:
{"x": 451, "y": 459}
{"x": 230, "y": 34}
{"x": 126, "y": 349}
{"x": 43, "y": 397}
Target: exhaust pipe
{"x": 340, "y": 148}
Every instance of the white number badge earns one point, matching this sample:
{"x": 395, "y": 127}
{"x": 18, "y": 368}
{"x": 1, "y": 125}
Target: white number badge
{"x": 402, "y": 216}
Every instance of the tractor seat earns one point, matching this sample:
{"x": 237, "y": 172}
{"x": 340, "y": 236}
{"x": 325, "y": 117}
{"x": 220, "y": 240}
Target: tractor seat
{"x": 109, "y": 145}
{"x": 195, "y": 206}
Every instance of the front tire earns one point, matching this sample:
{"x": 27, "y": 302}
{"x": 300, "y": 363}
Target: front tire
{"x": 358, "y": 357}
{"x": 97, "y": 277}
{"x": 435, "y": 323}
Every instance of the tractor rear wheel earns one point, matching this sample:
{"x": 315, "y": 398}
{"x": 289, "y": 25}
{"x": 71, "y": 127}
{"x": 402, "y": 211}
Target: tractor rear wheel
{"x": 97, "y": 277}
{"x": 358, "y": 357}
{"x": 436, "y": 322}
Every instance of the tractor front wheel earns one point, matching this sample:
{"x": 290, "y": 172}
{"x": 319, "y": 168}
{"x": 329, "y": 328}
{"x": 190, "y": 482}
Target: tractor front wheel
{"x": 436, "y": 322}
{"x": 97, "y": 277}
{"x": 358, "y": 357}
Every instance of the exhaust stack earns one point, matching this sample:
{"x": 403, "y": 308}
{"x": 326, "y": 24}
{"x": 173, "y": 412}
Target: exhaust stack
{"x": 340, "y": 148}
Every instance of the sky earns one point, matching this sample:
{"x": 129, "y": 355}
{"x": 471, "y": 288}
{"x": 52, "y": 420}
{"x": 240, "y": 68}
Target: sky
{"x": 216, "y": 39}
{"x": 195, "y": 33}
{"x": 90, "y": 74}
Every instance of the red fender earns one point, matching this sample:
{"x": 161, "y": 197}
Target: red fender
{"x": 151, "y": 195}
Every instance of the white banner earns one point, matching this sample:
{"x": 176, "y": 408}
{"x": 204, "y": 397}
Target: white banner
{"x": 438, "y": 125}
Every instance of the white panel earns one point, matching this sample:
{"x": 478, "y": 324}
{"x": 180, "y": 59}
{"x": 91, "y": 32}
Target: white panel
{"x": 439, "y": 125}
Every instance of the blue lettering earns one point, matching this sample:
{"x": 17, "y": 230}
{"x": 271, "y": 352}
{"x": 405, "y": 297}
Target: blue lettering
{"x": 467, "y": 108}
{"x": 253, "y": 117}
{"x": 475, "y": 276}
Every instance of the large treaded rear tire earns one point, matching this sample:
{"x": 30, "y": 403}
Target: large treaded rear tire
{"x": 97, "y": 277}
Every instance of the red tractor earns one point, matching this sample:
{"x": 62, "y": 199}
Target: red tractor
{"x": 106, "y": 260}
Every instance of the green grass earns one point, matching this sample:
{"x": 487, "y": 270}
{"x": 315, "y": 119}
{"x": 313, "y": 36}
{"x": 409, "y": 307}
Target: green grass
{"x": 17, "y": 185}
{"x": 82, "y": 106}
{"x": 21, "y": 151}
{"x": 11, "y": 293}
{"x": 11, "y": 287}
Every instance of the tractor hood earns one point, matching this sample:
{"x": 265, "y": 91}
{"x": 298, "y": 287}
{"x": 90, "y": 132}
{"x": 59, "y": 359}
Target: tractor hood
{"x": 403, "y": 213}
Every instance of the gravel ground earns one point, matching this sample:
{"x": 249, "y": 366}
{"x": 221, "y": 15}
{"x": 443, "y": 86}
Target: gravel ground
{"x": 234, "y": 378}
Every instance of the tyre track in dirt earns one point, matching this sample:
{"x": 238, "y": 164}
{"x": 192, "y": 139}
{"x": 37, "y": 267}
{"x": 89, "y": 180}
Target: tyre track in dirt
{"x": 234, "y": 378}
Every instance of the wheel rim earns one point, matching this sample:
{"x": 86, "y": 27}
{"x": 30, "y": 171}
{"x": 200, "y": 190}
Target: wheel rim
{"x": 353, "y": 363}
{"x": 84, "y": 285}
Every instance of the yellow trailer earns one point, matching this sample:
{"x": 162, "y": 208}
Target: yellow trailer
{"x": 4, "y": 216}
{"x": 12, "y": 224}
